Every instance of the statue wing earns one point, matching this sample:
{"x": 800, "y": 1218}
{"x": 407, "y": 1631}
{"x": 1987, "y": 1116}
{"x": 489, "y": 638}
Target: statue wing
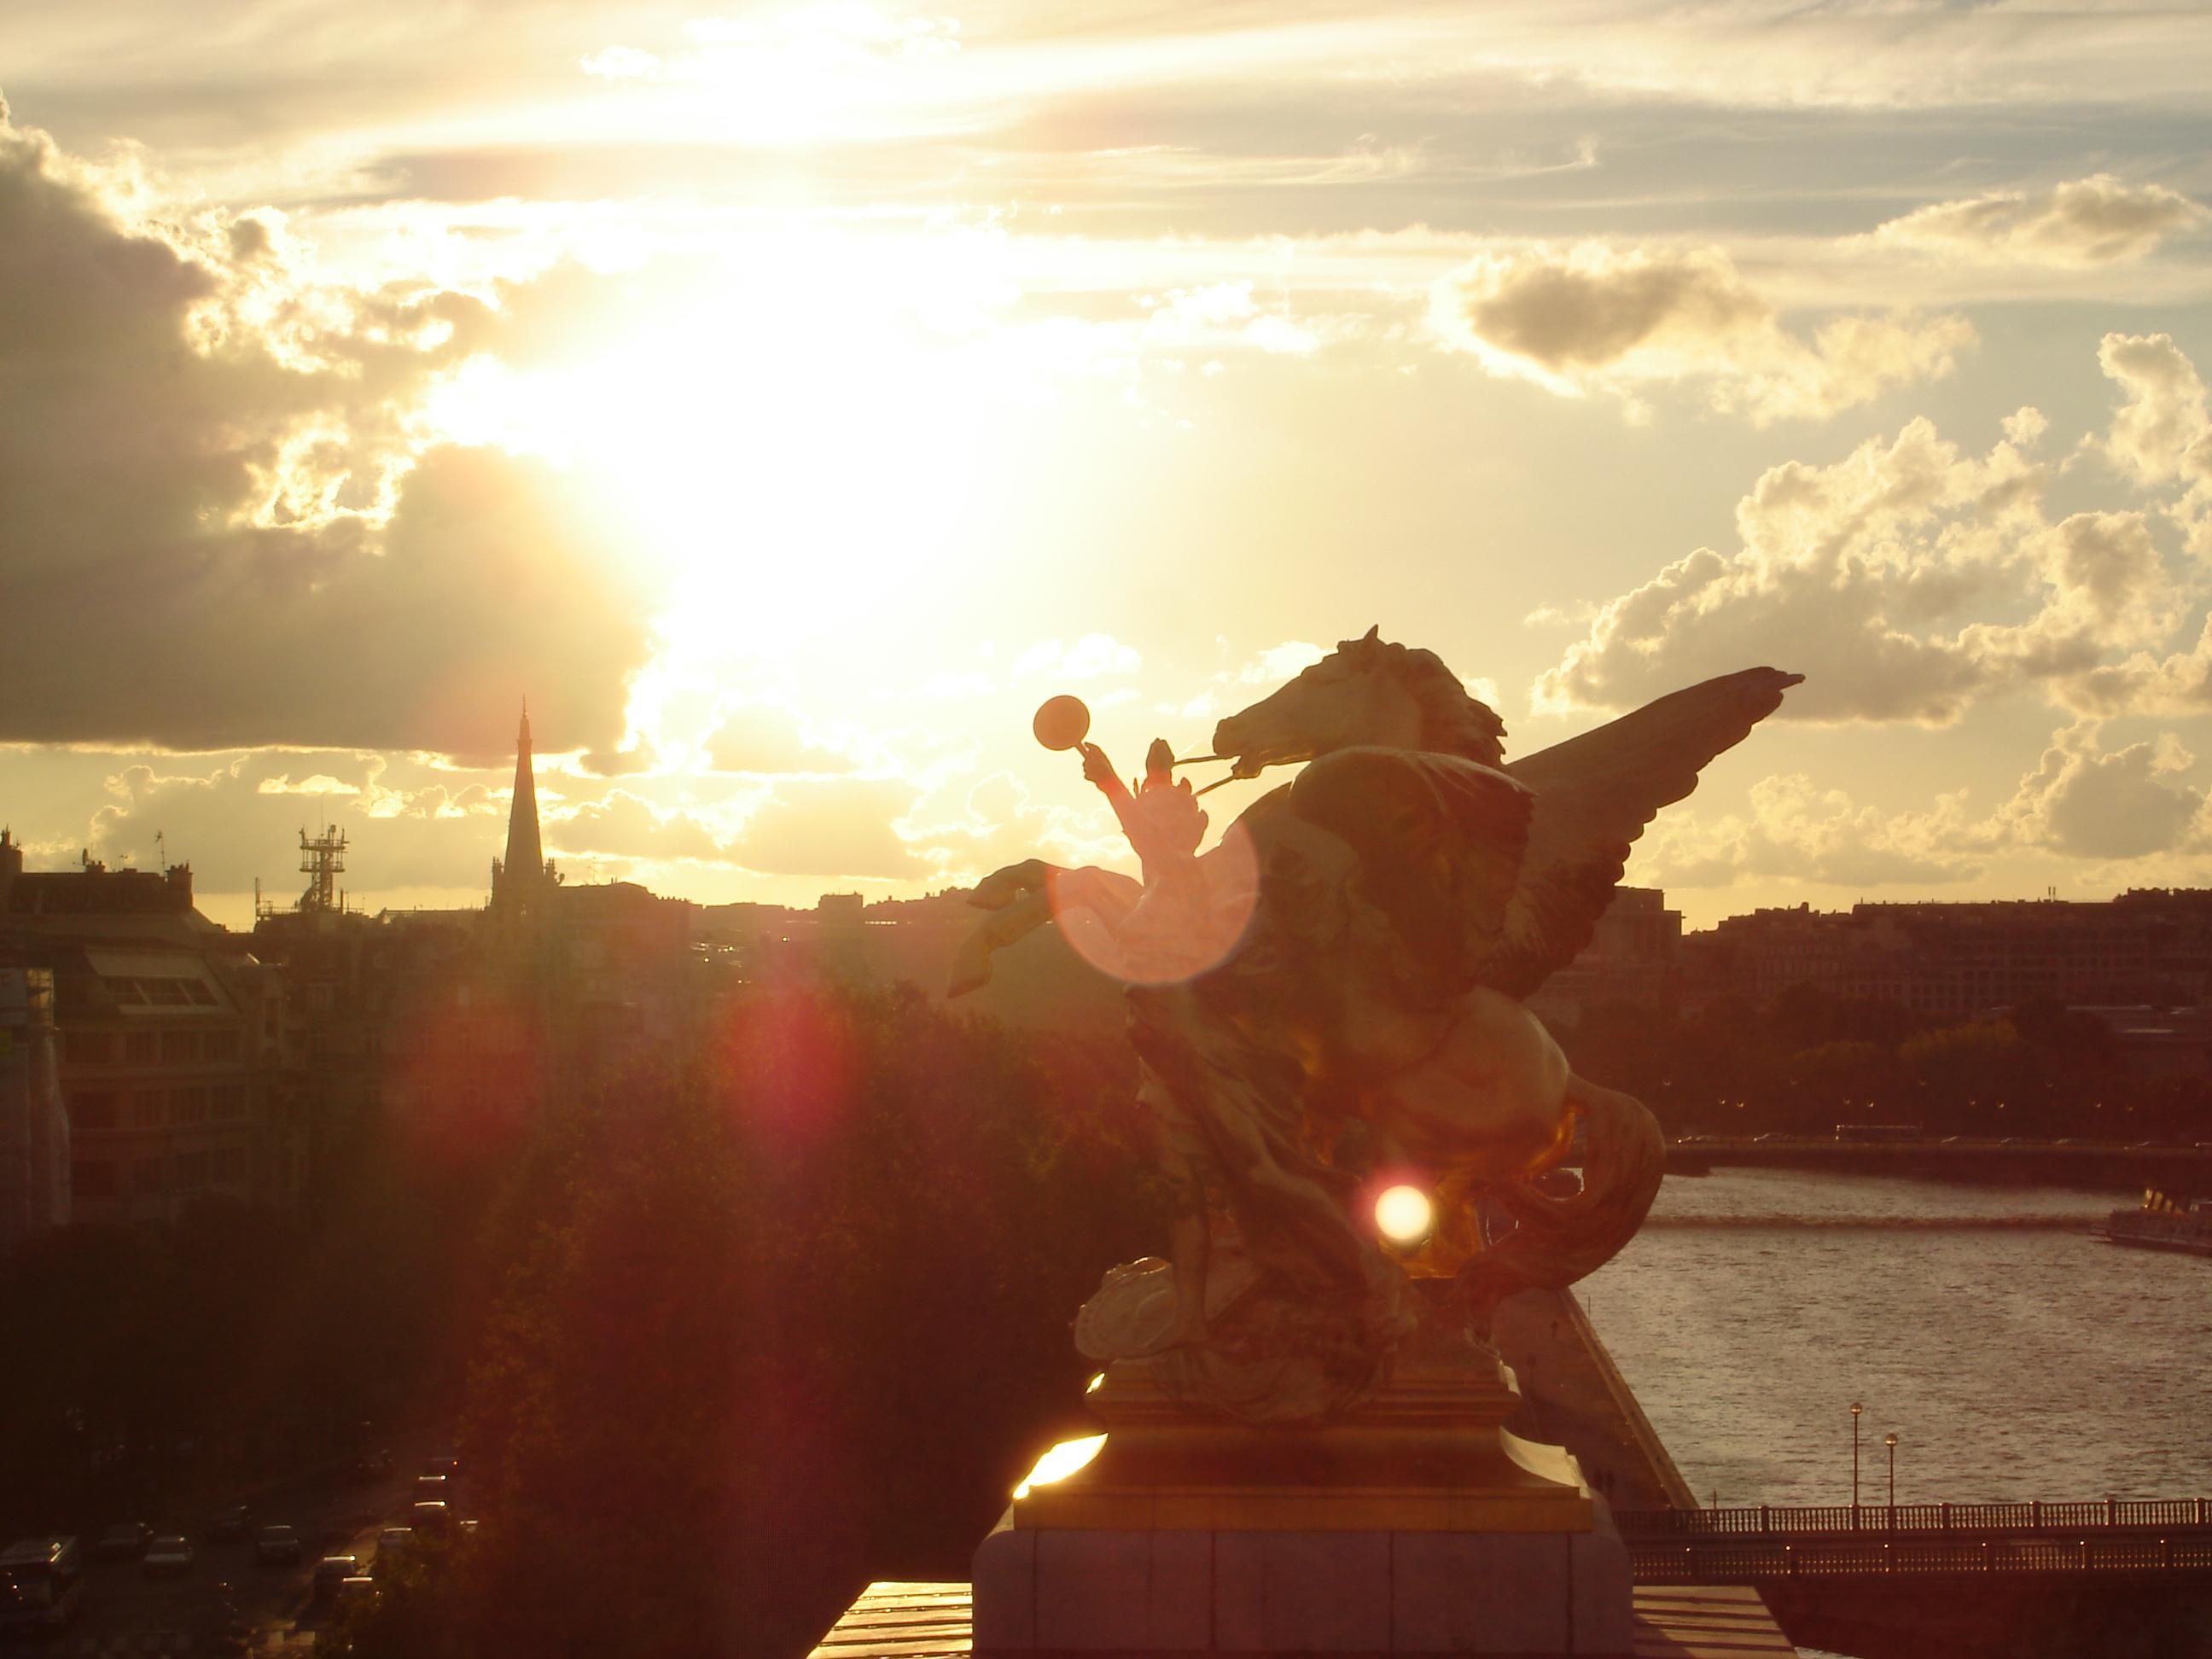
{"x": 1594, "y": 795}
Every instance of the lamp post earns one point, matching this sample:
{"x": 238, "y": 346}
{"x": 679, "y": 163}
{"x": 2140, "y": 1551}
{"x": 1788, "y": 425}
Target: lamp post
{"x": 1856, "y": 1409}
{"x": 1890, "y": 1441}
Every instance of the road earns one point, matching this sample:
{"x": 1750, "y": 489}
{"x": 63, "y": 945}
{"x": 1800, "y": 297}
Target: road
{"x": 126, "y": 1613}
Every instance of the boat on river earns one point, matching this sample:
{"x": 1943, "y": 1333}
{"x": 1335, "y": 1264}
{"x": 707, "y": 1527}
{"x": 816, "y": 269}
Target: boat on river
{"x": 2164, "y": 1223}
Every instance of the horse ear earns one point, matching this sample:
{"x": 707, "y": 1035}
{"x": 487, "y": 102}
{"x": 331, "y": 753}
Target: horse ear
{"x": 1371, "y": 635}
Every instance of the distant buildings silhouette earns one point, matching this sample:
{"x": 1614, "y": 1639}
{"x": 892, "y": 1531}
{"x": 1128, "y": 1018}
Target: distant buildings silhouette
{"x": 150, "y": 1058}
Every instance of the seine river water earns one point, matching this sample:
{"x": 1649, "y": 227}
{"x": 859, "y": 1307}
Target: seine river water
{"x": 2012, "y": 1362}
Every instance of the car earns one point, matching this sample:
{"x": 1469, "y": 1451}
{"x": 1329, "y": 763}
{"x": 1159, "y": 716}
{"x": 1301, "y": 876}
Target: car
{"x": 433, "y": 1489}
{"x": 169, "y": 1554}
{"x": 123, "y": 1540}
{"x": 431, "y": 1517}
{"x": 277, "y": 1546}
{"x": 232, "y": 1526}
{"x": 444, "y": 1462}
{"x": 357, "y": 1588}
{"x": 331, "y": 1572}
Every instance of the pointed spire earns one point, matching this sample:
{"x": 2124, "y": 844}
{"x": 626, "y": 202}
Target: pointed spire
{"x": 525, "y": 854}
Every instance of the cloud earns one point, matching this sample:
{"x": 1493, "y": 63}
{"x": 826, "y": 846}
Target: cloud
{"x": 2126, "y": 803}
{"x": 1593, "y": 318}
{"x": 1909, "y": 580}
{"x": 760, "y": 738}
{"x": 1797, "y": 832}
{"x": 237, "y": 819}
{"x": 218, "y": 514}
{"x": 2096, "y": 221}
{"x": 2161, "y": 429}
{"x": 834, "y": 827}
{"x": 624, "y": 825}
{"x": 1845, "y": 574}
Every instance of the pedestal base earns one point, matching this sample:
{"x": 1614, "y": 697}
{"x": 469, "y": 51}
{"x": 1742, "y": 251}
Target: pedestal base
{"x": 1417, "y": 1526}
{"x": 1158, "y": 1593}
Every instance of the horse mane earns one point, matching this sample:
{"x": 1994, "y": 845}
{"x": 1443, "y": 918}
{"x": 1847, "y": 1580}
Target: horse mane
{"x": 1452, "y": 722}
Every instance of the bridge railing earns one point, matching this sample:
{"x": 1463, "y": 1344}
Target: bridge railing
{"x": 2114, "y": 1514}
{"x": 1736, "y": 1558}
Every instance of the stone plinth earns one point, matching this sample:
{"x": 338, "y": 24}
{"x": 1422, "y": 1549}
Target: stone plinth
{"x": 1417, "y": 1526}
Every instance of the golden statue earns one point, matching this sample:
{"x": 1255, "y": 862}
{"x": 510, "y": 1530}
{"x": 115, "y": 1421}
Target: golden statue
{"x": 1327, "y": 1007}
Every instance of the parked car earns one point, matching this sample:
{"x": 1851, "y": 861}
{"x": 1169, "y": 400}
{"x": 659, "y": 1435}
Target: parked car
{"x": 360, "y": 1588}
{"x": 331, "y": 1572}
{"x": 444, "y": 1462}
{"x": 433, "y": 1489}
{"x": 231, "y": 1526}
{"x": 276, "y": 1547}
{"x": 430, "y": 1517}
{"x": 123, "y": 1540}
{"x": 168, "y": 1555}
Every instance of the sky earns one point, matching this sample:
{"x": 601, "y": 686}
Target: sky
{"x": 787, "y": 398}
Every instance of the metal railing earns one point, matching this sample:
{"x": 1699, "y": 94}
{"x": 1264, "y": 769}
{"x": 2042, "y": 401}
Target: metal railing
{"x": 1734, "y": 1560}
{"x": 2109, "y": 1514}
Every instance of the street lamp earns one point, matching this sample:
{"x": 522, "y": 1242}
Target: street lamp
{"x": 1856, "y": 1409}
{"x": 1890, "y": 1441}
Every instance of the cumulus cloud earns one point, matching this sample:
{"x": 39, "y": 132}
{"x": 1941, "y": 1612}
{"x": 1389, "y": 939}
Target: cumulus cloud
{"x": 831, "y": 827}
{"x": 1910, "y": 578}
{"x": 2160, "y": 430}
{"x": 1593, "y": 318}
{"x": 2127, "y": 803}
{"x": 1797, "y": 832}
{"x": 2096, "y": 221}
{"x": 222, "y": 520}
{"x": 238, "y": 818}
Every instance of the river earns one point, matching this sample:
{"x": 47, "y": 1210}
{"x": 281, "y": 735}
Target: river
{"x": 2013, "y": 1356}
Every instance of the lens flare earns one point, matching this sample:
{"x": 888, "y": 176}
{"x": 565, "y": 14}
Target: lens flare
{"x": 1060, "y": 1461}
{"x": 1405, "y": 1215}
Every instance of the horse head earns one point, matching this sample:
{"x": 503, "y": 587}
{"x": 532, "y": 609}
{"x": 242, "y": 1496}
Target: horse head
{"x": 1366, "y": 692}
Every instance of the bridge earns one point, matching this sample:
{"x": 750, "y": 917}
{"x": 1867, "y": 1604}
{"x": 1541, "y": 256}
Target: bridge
{"x": 2111, "y": 1576}
{"x": 2099, "y": 1163}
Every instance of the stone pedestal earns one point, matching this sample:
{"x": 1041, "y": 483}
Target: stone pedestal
{"x": 1416, "y": 1526}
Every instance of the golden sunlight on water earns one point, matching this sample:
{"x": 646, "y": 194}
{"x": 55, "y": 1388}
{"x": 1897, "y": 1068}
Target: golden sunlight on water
{"x": 2012, "y": 1362}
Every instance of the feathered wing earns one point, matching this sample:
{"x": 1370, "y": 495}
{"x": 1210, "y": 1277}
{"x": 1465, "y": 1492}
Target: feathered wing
{"x": 1594, "y": 795}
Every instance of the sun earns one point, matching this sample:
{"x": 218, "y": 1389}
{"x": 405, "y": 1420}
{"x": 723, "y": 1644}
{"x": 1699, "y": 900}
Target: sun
{"x": 786, "y": 446}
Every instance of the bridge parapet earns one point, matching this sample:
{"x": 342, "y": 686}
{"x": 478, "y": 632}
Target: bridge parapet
{"x": 2108, "y": 1514}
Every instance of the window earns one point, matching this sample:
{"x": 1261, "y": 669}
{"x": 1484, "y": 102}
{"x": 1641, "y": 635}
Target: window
{"x": 164, "y": 992}
{"x": 230, "y": 1166}
{"x": 124, "y": 991}
{"x": 227, "y": 1103}
{"x": 193, "y": 1170}
{"x": 88, "y": 1048}
{"x": 92, "y": 1178}
{"x": 196, "y": 991}
{"x": 180, "y": 1048}
{"x": 149, "y": 1176}
{"x": 93, "y": 1109}
{"x": 188, "y": 1106}
{"x": 141, "y": 1048}
{"x": 221, "y": 1045}
{"x": 147, "y": 1110}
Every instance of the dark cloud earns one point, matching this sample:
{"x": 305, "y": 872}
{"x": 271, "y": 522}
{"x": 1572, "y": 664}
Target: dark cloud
{"x": 213, "y": 524}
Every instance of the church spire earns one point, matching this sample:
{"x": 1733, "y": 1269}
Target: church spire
{"x": 525, "y": 854}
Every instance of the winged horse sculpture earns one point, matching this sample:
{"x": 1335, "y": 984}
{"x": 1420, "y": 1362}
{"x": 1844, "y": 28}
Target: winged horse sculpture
{"x": 1390, "y": 909}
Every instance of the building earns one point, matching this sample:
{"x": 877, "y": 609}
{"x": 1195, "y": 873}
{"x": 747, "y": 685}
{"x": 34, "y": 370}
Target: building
{"x": 2150, "y": 947}
{"x": 34, "y": 1128}
{"x": 174, "y": 1059}
{"x": 1631, "y": 959}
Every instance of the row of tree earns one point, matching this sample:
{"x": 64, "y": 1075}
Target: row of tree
{"x": 1809, "y": 1061}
